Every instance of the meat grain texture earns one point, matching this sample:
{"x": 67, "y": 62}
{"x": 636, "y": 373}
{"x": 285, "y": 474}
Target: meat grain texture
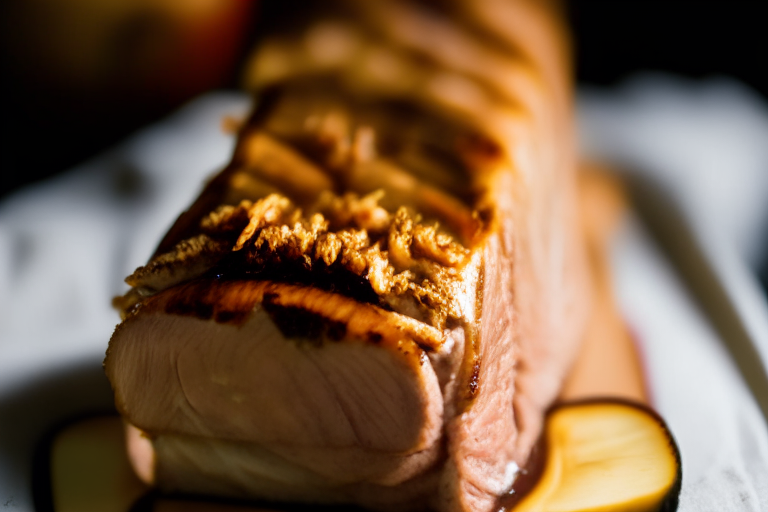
{"x": 379, "y": 296}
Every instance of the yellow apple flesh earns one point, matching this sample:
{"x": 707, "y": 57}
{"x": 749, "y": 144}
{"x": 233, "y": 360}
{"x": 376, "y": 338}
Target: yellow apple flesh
{"x": 605, "y": 456}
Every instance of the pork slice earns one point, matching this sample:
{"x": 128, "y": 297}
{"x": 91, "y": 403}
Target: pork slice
{"x": 246, "y": 470}
{"x": 257, "y": 378}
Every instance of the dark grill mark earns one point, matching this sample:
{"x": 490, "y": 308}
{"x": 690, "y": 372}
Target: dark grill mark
{"x": 202, "y": 299}
{"x": 235, "y": 317}
{"x": 191, "y": 307}
{"x": 299, "y": 323}
{"x": 336, "y": 330}
{"x": 334, "y": 278}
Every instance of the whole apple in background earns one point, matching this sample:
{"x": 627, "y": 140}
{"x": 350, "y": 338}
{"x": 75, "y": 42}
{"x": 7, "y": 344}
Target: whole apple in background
{"x": 168, "y": 48}
{"x": 81, "y": 75}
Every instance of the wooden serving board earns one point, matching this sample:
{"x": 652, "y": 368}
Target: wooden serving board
{"x": 609, "y": 363}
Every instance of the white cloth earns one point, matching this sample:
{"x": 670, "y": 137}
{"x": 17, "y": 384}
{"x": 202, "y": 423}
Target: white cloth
{"x": 706, "y": 141}
{"x": 66, "y": 245}
{"x": 707, "y": 144}
{"x": 693, "y": 383}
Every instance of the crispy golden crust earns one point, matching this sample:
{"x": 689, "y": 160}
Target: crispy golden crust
{"x": 410, "y": 267}
{"x": 190, "y": 258}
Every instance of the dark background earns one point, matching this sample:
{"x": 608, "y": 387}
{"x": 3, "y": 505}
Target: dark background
{"x": 613, "y": 39}
{"x": 47, "y": 130}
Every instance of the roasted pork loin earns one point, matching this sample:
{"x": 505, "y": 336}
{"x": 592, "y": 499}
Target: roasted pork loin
{"x": 377, "y": 299}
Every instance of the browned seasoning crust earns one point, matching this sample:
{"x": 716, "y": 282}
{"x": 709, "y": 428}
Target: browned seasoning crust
{"x": 328, "y": 316}
{"x": 395, "y": 260}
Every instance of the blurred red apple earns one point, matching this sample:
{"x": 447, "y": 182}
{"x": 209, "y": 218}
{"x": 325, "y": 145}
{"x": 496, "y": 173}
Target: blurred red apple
{"x": 166, "y": 49}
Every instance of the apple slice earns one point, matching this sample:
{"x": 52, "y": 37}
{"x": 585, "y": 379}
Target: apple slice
{"x": 606, "y": 456}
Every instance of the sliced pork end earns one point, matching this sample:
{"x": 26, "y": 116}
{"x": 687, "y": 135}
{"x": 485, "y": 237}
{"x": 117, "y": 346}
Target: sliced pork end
{"x": 334, "y": 387}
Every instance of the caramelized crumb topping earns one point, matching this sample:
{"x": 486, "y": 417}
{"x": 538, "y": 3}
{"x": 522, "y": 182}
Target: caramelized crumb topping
{"x": 190, "y": 258}
{"x": 406, "y": 266}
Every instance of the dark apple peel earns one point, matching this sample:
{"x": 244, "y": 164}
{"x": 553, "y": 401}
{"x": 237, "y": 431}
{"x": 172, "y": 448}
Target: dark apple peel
{"x": 610, "y": 455}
